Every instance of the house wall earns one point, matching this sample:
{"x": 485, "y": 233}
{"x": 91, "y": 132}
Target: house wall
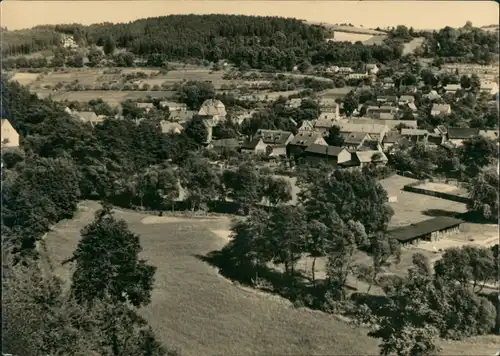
{"x": 321, "y": 141}
{"x": 10, "y": 137}
{"x": 261, "y": 148}
{"x": 387, "y": 145}
{"x": 457, "y": 142}
{"x": 344, "y": 156}
{"x": 437, "y": 235}
{"x": 278, "y": 151}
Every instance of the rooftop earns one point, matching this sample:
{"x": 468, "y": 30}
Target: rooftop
{"x": 331, "y": 151}
{"x": 410, "y": 232}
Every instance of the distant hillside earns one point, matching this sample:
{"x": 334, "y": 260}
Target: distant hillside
{"x": 492, "y": 28}
{"x": 348, "y": 29}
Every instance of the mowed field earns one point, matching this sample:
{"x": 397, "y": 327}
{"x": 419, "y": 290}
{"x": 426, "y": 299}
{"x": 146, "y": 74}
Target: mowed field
{"x": 353, "y": 37}
{"x": 196, "y": 310}
{"x": 412, "y": 207}
{"x": 411, "y": 46}
{"x": 199, "y": 312}
{"x": 25, "y": 78}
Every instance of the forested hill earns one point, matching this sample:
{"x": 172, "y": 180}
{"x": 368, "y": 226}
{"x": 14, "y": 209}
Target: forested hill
{"x": 254, "y": 41}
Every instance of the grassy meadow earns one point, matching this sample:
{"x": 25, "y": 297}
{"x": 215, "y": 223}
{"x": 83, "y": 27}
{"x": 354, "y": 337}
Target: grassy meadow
{"x": 199, "y": 312}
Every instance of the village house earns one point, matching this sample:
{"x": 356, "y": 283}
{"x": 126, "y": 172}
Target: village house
{"x": 213, "y": 109}
{"x": 391, "y": 139}
{"x": 329, "y": 106}
{"x": 331, "y": 154}
{"x": 357, "y": 76}
{"x": 10, "y": 137}
{"x": 226, "y": 144}
{"x": 440, "y": 110}
{"x": 456, "y": 135}
{"x": 145, "y": 106}
{"x": 255, "y": 146}
{"x": 430, "y": 230}
{"x": 406, "y": 99}
{"x": 365, "y": 158}
{"x": 88, "y": 116}
{"x": 372, "y": 68}
{"x": 434, "y": 139}
{"x": 391, "y": 124}
{"x": 375, "y": 112}
{"x": 452, "y": 88}
{"x": 489, "y": 87}
{"x": 376, "y": 131}
{"x": 277, "y": 140}
{"x": 415, "y": 135}
{"x": 491, "y": 134}
{"x": 332, "y": 69}
{"x": 412, "y": 107}
{"x": 432, "y": 95}
{"x": 173, "y": 106}
{"x": 307, "y": 125}
{"x": 212, "y": 112}
{"x": 301, "y": 141}
{"x": 345, "y": 70}
{"x": 323, "y": 126}
{"x": 354, "y": 140}
{"x": 168, "y": 127}
{"x": 389, "y": 100}
{"x": 387, "y": 83}
{"x": 181, "y": 116}
{"x": 294, "y": 103}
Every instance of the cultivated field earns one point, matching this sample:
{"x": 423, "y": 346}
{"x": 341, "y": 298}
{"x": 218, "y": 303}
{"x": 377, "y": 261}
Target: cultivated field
{"x": 350, "y": 37}
{"x": 196, "y": 310}
{"x": 375, "y": 40}
{"x": 411, "y": 46}
{"x": 25, "y": 78}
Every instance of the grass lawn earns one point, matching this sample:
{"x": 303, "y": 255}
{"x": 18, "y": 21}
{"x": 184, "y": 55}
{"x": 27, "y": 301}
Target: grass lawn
{"x": 412, "y": 207}
{"x": 196, "y": 310}
{"x": 411, "y": 46}
{"x": 201, "y": 313}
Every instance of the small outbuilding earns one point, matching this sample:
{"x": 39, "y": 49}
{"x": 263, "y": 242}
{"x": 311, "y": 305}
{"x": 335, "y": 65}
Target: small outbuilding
{"x": 428, "y": 230}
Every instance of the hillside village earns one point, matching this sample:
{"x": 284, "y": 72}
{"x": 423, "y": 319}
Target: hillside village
{"x": 352, "y": 186}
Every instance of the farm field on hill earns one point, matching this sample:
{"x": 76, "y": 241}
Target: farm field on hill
{"x": 198, "y": 311}
{"x": 350, "y": 37}
{"x": 411, "y": 46}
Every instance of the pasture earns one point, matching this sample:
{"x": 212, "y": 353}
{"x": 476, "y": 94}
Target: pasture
{"x": 336, "y": 93}
{"x": 350, "y": 37}
{"x": 412, "y": 207}
{"x": 25, "y": 78}
{"x": 198, "y": 311}
{"x": 411, "y": 46}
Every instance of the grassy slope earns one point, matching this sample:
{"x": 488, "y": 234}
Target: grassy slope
{"x": 196, "y": 310}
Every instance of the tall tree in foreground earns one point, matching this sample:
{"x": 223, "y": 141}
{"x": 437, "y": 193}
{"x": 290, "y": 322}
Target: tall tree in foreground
{"x": 407, "y": 325}
{"x": 108, "y": 265}
{"x": 483, "y": 192}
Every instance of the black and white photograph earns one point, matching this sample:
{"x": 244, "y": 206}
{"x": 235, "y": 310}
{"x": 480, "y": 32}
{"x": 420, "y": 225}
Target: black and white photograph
{"x": 250, "y": 178}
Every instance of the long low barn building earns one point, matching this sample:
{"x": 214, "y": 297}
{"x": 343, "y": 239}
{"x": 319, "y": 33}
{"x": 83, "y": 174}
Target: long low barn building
{"x": 427, "y": 230}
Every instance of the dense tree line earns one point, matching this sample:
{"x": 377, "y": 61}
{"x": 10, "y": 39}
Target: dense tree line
{"x": 248, "y": 41}
{"x": 467, "y": 44}
{"x": 24, "y": 42}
